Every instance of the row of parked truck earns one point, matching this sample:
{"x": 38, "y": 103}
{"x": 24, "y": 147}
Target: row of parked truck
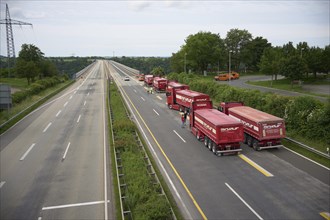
{"x": 222, "y": 129}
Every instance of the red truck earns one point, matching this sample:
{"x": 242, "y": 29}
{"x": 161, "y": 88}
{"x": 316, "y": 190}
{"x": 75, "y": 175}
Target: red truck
{"x": 160, "y": 84}
{"x": 221, "y": 133}
{"x": 182, "y": 99}
{"x": 261, "y": 130}
{"x": 171, "y": 89}
{"x": 148, "y": 80}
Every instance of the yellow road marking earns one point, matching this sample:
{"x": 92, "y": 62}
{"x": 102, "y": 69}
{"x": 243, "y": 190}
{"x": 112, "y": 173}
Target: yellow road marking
{"x": 255, "y": 165}
{"x": 325, "y": 215}
{"x": 168, "y": 160}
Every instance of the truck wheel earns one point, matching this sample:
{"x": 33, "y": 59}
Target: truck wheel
{"x": 198, "y": 137}
{"x": 210, "y": 145}
{"x": 249, "y": 141}
{"x": 255, "y": 145}
{"x": 214, "y": 150}
{"x": 170, "y": 106}
{"x": 206, "y": 140}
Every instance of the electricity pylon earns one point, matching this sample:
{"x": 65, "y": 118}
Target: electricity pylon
{"x": 10, "y": 37}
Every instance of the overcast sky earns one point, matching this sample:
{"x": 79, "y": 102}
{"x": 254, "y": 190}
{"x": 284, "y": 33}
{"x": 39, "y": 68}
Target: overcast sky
{"x": 158, "y": 28}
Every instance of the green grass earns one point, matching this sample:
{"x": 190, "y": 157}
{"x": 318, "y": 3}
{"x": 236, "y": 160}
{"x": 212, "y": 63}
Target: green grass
{"x": 317, "y": 158}
{"x": 19, "y": 83}
{"x": 285, "y": 84}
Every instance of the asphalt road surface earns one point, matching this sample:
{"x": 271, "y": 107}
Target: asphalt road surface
{"x": 273, "y": 184}
{"x": 53, "y": 162}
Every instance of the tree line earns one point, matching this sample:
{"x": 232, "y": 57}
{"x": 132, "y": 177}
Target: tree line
{"x": 206, "y": 51}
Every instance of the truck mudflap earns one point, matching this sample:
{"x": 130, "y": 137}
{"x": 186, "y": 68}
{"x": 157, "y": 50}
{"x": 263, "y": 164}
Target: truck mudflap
{"x": 269, "y": 147}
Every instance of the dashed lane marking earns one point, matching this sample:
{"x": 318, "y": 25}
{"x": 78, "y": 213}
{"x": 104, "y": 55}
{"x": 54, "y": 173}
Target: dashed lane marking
{"x": 325, "y": 215}
{"x": 58, "y": 113}
{"x": 179, "y": 136}
{"x": 27, "y": 152}
{"x": 46, "y": 128}
{"x": 2, "y": 183}
{"x": 160, "y": 98}
{"x": 155, "y": 112}
{"x": 255, "y": 165}
{"x": 72, "y": 205}
{"x": 66, "y": 151}
{"x": 245, "y": 203}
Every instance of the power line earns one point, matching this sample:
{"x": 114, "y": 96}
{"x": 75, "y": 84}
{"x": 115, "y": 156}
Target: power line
{"x": 10, "y": 36}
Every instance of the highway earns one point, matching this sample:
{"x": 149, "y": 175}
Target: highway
{"x": 270, "y": 184}
{"x": 54, "y": 162}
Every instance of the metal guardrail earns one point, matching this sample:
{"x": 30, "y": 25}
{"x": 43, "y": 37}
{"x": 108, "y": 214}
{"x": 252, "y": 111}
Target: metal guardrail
{"x": 309, "y": 148}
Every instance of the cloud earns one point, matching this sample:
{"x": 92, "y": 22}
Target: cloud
{"x": 139, "y": 5}
{"x": 178, "y": 4}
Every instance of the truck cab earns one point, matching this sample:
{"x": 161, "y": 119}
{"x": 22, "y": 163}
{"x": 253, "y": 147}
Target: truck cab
{"x": 171, "y": 89}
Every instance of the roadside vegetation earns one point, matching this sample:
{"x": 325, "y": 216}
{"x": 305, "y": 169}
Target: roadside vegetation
{"x": 305, "y": 117}
{"x": 143, "y": 196}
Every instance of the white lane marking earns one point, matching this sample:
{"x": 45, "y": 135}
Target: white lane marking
{"x": 155, "y": 112}
{"x": 75, "y": 92}
{"x": 179, "y": 136}
{"x": 65, "y": 104}
{"x": 66, "y": 151}
{"x": 39, "y": 218}
{"x": 72, "y": 205}
{"x": 70, "y": 97}
{"x": 84, "y": 103}
{"x": 307, "y": 159}
{"x": 78, "y": 118}
{"x": 2, "y": 183}
{"x": 142, "y": 98}
{"x": 28, "y": 151}
{"x": 88, "y": 94}
{"x": 46, "y": 128}
{"x": 135, "y": 91}
{"x": 104, "y": 157}
{"x": 254, "y": 212}
{"x": 160, "y": 98}
{"x": 58, "y": 113}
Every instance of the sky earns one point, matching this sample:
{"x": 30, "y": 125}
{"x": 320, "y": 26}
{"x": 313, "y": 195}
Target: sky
{"x": 158, "y": 28}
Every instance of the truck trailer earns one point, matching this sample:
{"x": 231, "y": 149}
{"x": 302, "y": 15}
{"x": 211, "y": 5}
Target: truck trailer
{"x": 148, "y": 80}
{"x": 220, "y": 133}
{"x": 261, "y": 130}
{"x": 171, "y": 89}
{"x": 183, "y": 98}
{"x": 160, "y": 84}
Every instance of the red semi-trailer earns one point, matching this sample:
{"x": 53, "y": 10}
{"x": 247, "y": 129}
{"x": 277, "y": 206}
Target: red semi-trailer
{"x": 148, "y": 79}
{"x": 160, "y": 84}
{"x": 261, "y": 130}
{"x": 171, "y": 89}
{"x": 221, "y": 133}
{"x": 184, "y": 98}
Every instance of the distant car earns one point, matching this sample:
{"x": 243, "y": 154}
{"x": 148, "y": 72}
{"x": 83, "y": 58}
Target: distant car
{"x": 126, "y": 78}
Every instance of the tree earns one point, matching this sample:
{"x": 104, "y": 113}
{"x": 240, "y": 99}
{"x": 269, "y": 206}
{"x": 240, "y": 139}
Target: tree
{"x": 203, "y": 49}
{"x": 270, "y": 61}
{"x": 158, "y": 71}
{"x": 28, "y": 62}
{"x": 253, "y": 51}
{"x": 48, "y": 69}
{"x": 293, "y": 67}
{"x": 236, "y": 40}
{"x": 314, "y": 60}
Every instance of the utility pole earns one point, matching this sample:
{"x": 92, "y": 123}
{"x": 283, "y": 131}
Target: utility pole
{"x": 10, "y": 37}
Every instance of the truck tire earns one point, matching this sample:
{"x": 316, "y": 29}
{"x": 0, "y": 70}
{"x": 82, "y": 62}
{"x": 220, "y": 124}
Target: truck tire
{"x": 255, "y": 145}
{"x": 210, "y": 145}
{"x": 249, "y": 141}
{"x": 206, "y": 141}
{"x": 170, "y": 106}
{"x": 214, "y": 150}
